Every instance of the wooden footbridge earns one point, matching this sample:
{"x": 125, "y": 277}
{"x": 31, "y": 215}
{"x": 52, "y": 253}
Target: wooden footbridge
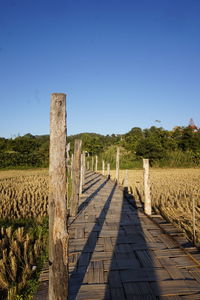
{"x": 109, "y": 248}
{"x": 117, "y": 252}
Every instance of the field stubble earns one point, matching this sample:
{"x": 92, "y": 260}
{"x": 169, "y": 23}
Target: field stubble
{"x": 23, "y": 230}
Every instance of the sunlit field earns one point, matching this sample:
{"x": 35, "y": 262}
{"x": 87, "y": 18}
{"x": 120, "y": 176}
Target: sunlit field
{"x": 173, "y": 192}
{"x": 23, "y": 230}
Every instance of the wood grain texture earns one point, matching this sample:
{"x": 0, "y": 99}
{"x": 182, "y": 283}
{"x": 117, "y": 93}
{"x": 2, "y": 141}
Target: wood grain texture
{"x": 58, "y": 236}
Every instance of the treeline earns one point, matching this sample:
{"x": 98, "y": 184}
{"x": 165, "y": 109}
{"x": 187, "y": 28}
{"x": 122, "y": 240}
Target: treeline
{"x": 177, "y": 148}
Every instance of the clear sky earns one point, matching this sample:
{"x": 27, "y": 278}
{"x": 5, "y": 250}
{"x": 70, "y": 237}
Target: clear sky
{"x": 122, "y": 63}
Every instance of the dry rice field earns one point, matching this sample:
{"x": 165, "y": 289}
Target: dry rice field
{"x": 173, "y": 192}
{"x": 23, "y": 206}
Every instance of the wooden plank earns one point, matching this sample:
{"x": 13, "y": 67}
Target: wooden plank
{"x": 175, "y": 287}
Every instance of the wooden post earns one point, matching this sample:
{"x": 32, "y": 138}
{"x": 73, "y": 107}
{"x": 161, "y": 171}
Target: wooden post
{"x": 147, "y": 195}
{"x": 68, "y": 171}
{"x": 117, "y": 165}
{"x": 108, "y": 170}
{"x": 81, "y": 176}
{"x": 72, "y": 159}
{"x": 92, "y": 163}
{"x": 193, "y": 219}
{"x": 88, "y": 165}
{"x": 96, "y": 164}
{"x": 58, "y": 235}
{"x": 68, "y": 157}
{"x": 76, "y": 178}
{"x": 103, "y": 167}
{"x": 83, "y": 168}
{"x": 126, "y": 179}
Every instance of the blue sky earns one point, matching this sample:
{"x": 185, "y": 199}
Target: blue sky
{"x": 122, "y": 63}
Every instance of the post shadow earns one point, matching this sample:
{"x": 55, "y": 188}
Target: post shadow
{"x": 93, "y": 183}
{"x": 84, "y": 204}
{"x": 77, "y": 277}
{"x": 93, "y": 179}
{"x": 132, "y": 267}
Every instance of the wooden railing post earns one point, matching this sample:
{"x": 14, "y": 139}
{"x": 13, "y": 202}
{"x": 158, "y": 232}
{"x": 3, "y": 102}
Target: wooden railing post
{"x": 147, "y": 194}
{"x": 72, "y": 159}
{"x": 58, "y": 235}
{"x": 92, "y": 169}
{"x": 81, "y": 176}
{"x": 117, "y": 165}
{"x": 108, "y": 170}
{"x": 96, "y": 164}
{"x": 103, "y": 167}
{"x": 126, "y": 180}
{"x": 84, "y": 166}
{"x": 76, "y": 176}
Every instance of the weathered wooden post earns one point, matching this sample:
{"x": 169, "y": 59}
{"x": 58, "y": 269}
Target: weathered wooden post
{"x": 58, "y": 235}
{"x": 147, "y": 194}
{"x": 92, "y": 163}
{"x": 68, "y": 171}
{"x": 108, "y": 170}
{"x": 96, "y": 164}
{"x": 88, "y": 165}
{"x": 126, "y": 179}
{"x": 103, "y": 167}
{"x": 67, "y": 154}
{"x": 76, "y": 178}
{"x": 83, "y": 168}
{"x": 81, "y": 176}
{"x": 117, "y": 165}
{"x": 72, "y": 159}
{"x": 193, "y": 219}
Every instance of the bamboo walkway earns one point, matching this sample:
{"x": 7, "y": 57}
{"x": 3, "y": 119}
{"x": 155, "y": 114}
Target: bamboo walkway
{"x": 117, "y": 252}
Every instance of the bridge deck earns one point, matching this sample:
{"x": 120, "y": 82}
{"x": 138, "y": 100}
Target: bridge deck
{"x": 116, "y": 252}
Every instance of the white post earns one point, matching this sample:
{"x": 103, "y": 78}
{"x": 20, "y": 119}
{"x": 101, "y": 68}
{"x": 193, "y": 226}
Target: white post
{"x": 147, "y": 194}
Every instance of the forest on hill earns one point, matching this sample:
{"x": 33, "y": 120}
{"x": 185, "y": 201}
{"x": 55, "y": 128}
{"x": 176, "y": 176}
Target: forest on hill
{"x": 177, "y": 148}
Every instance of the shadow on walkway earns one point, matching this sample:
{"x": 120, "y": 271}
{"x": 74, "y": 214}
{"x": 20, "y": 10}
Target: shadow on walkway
{"x": 132, "y": 266}
{"x": 85, "y": 203}
{"x": 89, "y": 247}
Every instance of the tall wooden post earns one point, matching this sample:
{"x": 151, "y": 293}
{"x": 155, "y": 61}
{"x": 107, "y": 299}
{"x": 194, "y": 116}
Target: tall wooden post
{"x": 147, "y": 194}
{"x": 67, "y": 154}
{"x": 58, "y": 235}
{"x": 96, "y": 164}
{"x": 76, "y": 176}
{"x": 126, "y": 179}
{"x": 83, "y": 167}
{"x": 193, "y": 218}
{"x": 81, "y": 176}
{"x": 103, "y": 167}
{"x": 108, "y": 170}
{"x": 88, "y": 165}
{"x": 72, "y": 159}
{"x": 92, "y": 163}
{"x": 117, "y": 165}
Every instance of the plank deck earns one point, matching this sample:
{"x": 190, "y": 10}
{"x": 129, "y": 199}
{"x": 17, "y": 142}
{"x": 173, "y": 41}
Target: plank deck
{"x": 117, "y": 252}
